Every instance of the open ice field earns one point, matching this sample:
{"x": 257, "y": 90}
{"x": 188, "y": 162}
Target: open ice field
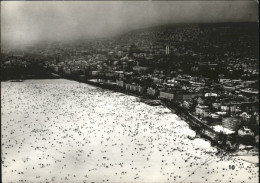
{"x": 65, "y": 131}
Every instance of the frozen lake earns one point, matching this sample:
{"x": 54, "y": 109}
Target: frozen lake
{"x": 65, "y": 131}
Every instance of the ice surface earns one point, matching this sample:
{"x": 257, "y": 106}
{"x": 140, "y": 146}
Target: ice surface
{"x": 64, "y": 131}
{"x": 202, "y": 143}
{"x": 219, "y": 128}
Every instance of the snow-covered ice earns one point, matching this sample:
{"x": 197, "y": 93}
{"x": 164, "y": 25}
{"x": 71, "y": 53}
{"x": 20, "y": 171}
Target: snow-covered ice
{"x": 219, "y": 128}
{"x": 65, "y": 131}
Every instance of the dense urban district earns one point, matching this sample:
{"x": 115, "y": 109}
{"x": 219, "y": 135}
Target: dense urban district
{"x": 206, "y": 73}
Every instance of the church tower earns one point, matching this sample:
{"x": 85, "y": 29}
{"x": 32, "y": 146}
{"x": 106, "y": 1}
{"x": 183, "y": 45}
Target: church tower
{"x": 167, "y": 50}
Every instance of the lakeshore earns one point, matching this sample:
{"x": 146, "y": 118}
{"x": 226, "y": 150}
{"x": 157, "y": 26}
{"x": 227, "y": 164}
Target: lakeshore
{"x": 65, "y": 131}
{"x": 220, "y": 140}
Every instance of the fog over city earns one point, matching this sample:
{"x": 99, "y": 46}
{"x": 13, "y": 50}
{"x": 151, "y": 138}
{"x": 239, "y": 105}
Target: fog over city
{"x": 140, "y": 91}
{"x": 31, "y": 22}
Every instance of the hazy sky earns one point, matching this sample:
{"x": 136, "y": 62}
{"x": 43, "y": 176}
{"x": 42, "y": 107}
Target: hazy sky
{"x": 31, "y": 21}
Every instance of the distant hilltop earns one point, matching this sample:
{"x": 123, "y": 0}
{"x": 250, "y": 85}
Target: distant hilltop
{"x": 250, "y": 25}
{"x": 196, "y": 32}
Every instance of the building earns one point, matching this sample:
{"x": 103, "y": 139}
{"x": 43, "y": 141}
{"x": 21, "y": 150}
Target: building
{"x": 166, "y": 95}
{"x": 134, "y": 88}
{"x": 222, "y": 80}
{"x": 245, "y": 132}
{"x": 101, "y": 80}
{"x": 110, "y": 74}
{"x": 248, "y": 83}
{"x": 140, "y": 89}
{"x": 210, "y": 133}
{"x": 187, "y": 96}
{"x": 211, "y": 95}
{"x": 186, "y": 104}
{"x": 250, "y": 92}
{"x": 94, "y": 73}
{"x": 230, "y": 107}
{"x": 229, "y": 88}
{"x": 120, "y": 83}
{"x": 202, "y": 110}
{"x": 250, "y": 106}
{"x": 216, "y": 106}
{"x": 127, "y": 86}
{"x": 140, "y": 69}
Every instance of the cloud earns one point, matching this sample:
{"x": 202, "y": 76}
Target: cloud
{"x": 31, "y": 21}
